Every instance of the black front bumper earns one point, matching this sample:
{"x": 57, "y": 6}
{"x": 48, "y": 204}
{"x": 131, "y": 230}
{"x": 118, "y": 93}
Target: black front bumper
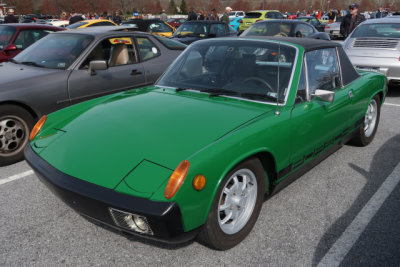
{"x": 164, "y": 218}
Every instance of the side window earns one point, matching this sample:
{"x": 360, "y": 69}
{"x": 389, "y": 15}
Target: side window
{"x": 304, "y": 29}
{"x": 322, "y": 70}
{"x": 27, "y": 37}
{"x": 115, "y": 51}
{"x": 279, "y": 16}
{"x": 218, "y": 29}
{"x": 301, "y": 95}
{"x": 147, "y": 49}
{"x": 270, "y": 15}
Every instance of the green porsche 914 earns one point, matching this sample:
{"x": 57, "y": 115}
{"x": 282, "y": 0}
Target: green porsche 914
{"x": 231, "y": 120}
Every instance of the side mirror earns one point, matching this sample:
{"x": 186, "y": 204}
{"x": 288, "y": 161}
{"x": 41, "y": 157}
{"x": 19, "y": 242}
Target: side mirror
{"x": 212, "y": 35}
{"x": 97, "y": 65}
{"x": 10, "y": 47}
{"x": 324, "y": 95}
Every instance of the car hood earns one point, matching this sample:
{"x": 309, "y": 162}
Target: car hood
{"x": 103, "y": 140}
{"x": 11, "y": 73}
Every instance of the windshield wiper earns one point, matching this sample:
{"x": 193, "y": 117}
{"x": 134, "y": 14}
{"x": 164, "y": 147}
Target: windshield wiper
{"x": 218, "y": 92}
{"x": 13, "y": 61}
{"x": 31, "y": 63}
{"x": 181, "y": 89}
{"x": 255, "y": 96}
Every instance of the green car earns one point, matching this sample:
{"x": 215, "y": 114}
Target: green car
{"x": 232, "y": 120}
{"x": 258, "y": 15}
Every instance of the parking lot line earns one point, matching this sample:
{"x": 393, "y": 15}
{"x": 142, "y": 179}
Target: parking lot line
{"x": 390, "y": 104}
{"x": 15, "y": 177}
{"x": 349, "y": 237}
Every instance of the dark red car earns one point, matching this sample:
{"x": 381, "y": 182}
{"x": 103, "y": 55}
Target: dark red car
{"x": 176, "y": 22}
{"x": 16, "y": 37}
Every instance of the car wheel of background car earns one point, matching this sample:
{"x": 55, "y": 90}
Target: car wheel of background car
{"x": 15, "y": 125}
{"x": 366, "y": 132}
{"x": 236, "y": 206}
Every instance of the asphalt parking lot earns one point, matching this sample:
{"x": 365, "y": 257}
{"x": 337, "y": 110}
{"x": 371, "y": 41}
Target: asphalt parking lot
{"x": 344, "y": 212}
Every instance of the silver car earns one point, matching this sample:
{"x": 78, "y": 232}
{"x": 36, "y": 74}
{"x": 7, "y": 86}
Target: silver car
{"x": 333, "y": 29}
{"x": 375, "y": 46}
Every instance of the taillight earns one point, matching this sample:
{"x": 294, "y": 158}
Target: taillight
{"x": 241, "y": 21}
{"x": 327, "y": 27}
{"x": 259, "y": 20}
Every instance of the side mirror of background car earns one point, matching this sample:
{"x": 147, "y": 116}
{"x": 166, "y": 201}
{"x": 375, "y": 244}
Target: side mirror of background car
{"x": 10, "y": 47}
{"x": 212, "y": 35}
{"x": 97, "y": 65}
{"x": 324, "y": 95}
{"x": 298, "y": 34}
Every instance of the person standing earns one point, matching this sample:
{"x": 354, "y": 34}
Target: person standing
{"x": 225, "y": 16}
{"x": 331, "y": 16}
{"x": 351, "y": 21}
{"x": 192, "y": 15}
{"x": 117, "y": 18}
{"x": 75, "y": 18}
{"x": 214, "y": 15}
{"x": 379, "y": 13}
{"x": 163, "y": 16}
{"x": 10, "y": 18}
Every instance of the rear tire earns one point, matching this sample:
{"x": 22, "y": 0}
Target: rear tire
{"x": 15, "y": 126}
{"x": 366, "y": 133}
{"x": 236, "y": 206}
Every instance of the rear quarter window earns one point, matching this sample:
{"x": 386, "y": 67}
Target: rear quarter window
{"x": 252, "y": 15}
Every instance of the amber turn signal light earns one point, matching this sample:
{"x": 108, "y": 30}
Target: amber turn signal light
{"x": 176, "y": 179}
{"x": 38, "y": 126}
{"x": 199, "y": 182}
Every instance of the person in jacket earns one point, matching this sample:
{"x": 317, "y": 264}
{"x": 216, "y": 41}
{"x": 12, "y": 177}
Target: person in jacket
{"x": 214, "y": 15}
{"x": 192, "y": 15}
{"x": 225, "y": 16}
{"x": 163, "y": 16}
{"x": 351, "y": 21}
{"x": 75, "y": 18}
{"x": 10, "y": 18}
{"x": 379, "y": 13}
{"x": 117, "y": 18}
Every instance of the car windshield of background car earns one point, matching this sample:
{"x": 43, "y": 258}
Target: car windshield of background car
{"x": 382, "y": 30}
{"x": 242, "y": 69}
{"x": 269, "y": 29}
{"x": 77, "y": 25}
{"x": 55, "y": 51}
{"x": 6, "y": 34}
{"x": 191, "y": 30}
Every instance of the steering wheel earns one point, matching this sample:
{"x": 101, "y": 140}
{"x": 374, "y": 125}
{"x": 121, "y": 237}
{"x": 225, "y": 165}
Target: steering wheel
{"x": 261, "y": 81}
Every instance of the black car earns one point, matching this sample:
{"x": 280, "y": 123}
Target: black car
{"x": 285, "y": 28}
{"x": 314, "y": 22}
{"x": 191, "y": 31}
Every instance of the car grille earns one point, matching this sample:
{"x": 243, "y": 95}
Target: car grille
{"x": 376, "y": 43}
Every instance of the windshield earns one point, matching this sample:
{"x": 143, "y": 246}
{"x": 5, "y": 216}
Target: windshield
{"x": 77, "y": 25}
{"x": 243, "y": 69}
{"x": 6, "y": 34}
{"x": 381, "y": 30}
{"x": 252, "y": 15}
{"x": 55, "y": 51}
{"x": 269, "y": 29}
{"x": 192, "y": 29}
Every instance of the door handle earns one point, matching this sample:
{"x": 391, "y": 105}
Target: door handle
{"x": 136, "y": 72}
{"x": 351, "y": 93}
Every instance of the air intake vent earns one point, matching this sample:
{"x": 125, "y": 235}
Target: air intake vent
{"x": 376, "y": 43}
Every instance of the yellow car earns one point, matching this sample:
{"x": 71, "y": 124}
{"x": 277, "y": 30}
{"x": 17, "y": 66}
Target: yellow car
{"x": 91, "y": 23}
{"x": 258, "y": 15}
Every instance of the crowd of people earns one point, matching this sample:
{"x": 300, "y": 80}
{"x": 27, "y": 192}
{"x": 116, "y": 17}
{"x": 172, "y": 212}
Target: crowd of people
{"x": 348, "y": 24}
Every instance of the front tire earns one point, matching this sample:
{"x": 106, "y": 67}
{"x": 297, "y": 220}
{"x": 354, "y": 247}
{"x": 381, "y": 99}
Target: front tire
{"x": 236, "y": 206}
{"x": 15, "y": 126}
{"x": 366, "y": 133}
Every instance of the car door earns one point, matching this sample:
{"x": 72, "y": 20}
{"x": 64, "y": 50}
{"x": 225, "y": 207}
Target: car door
{"x": 124, "y": 70}
{"x": 150, "y": 57}
{"x": 317, "y": 124}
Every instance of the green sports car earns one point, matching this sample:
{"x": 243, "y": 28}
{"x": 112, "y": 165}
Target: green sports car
{"x": 232, "y": 120}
